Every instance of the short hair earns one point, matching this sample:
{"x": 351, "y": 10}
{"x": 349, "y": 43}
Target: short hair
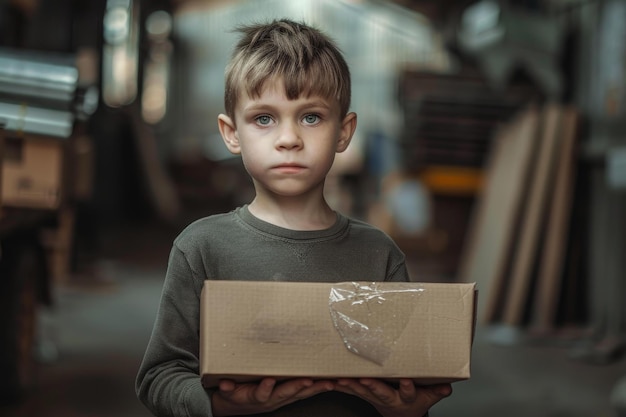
{"x": 305, "y": 59}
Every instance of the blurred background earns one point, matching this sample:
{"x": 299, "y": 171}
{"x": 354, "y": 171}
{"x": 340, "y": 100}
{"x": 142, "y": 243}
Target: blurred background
{"x": 490, "y": 146}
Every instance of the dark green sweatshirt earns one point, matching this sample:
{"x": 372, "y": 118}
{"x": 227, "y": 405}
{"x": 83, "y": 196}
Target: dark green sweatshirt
{"x": 239, "y": 246}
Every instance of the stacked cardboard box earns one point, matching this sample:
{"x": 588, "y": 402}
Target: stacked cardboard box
{"x": 32, "y": 172}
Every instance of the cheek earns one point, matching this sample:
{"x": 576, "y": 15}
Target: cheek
{"x": 251, "y": 164}
{"x": 325, "y": 159}
{"x": 244, "y": 158}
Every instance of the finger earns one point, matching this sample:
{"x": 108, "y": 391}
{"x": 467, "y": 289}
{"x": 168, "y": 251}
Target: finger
{"x": 226, "y": 386}
{"x": 355, "y": 387}
{"x": 380, "y": 390}
{"x": 316, "y": 387}
{"x": 349, "y": 386}
{"x": 407, "y": 391}
{"x": 435, "y": 393}
{"x": 300, "y": 389}
{"x": 440, "y": 390}
{"x": 292, "y": 388}
{"x": 263, "y": 391}
{"x": 444, "y": 390}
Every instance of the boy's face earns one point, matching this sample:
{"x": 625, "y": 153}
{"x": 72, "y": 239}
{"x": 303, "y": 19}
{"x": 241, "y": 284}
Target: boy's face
{"x": 287, "y": 146}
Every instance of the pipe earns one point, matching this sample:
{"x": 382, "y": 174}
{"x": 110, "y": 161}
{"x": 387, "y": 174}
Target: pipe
{"x": 38, "y": 78}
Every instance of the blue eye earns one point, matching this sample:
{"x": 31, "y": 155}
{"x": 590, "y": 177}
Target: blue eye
{"x": 264, "y": 120}
{"x": 311, "y": 119}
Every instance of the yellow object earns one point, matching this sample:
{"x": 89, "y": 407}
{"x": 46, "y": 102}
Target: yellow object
{"x": 452, "y": 180}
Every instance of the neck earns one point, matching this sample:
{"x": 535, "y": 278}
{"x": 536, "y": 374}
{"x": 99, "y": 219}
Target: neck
{"x": 293, "y": 213}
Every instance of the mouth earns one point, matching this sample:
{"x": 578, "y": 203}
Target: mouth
{"x": 289, "y": 168}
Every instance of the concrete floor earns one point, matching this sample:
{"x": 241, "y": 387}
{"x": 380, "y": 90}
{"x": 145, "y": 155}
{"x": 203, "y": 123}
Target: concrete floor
{"x": 93, "y": 339}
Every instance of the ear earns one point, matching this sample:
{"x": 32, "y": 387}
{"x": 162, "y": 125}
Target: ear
{"x": 228, "y": 130}
{"x": 348, "y": 126}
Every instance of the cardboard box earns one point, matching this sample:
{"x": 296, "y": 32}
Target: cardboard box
{"x": 32, "y": 172}
{"x": 251, "y": 330}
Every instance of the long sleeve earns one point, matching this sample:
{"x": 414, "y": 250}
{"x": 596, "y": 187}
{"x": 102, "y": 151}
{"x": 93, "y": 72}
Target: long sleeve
{"x": 168, "y": 381}
{"x": 237, "y": 246}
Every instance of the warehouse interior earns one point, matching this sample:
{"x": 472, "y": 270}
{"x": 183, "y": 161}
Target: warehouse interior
{"x": 490, "y": 147}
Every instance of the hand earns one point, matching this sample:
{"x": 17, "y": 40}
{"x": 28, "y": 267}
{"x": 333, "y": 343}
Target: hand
{"x": 253, "y": 398}
{"x": 408, "y": 400}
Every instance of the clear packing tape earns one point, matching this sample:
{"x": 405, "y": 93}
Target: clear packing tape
{"x": 370, "y": 318}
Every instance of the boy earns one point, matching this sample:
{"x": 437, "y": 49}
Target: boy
{"x": 287, "y": 99}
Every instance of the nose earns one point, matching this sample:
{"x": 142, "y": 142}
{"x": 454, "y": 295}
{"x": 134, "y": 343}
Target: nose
{"x": 288, "y": 137}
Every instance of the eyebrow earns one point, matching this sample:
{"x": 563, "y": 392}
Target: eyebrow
{"x": 314, "y": 103}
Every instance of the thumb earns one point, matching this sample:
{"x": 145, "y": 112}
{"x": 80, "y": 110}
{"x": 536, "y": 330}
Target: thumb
{"x": 443, "y": 390}
{"x": 436, "y": 393}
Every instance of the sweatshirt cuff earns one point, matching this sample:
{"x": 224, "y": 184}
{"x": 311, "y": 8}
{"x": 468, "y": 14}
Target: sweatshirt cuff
{"x": 197, "y": 400}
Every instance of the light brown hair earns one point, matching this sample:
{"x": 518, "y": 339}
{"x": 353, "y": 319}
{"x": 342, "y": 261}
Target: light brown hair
{"x": 305, "y": 59}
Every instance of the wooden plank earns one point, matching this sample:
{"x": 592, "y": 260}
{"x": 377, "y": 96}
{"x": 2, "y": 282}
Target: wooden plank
{"x": 160, "y": 185}
{"x": 550, "y": 275}
{"x": 490, "y": 235}
{"x": 533, "y": 217}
